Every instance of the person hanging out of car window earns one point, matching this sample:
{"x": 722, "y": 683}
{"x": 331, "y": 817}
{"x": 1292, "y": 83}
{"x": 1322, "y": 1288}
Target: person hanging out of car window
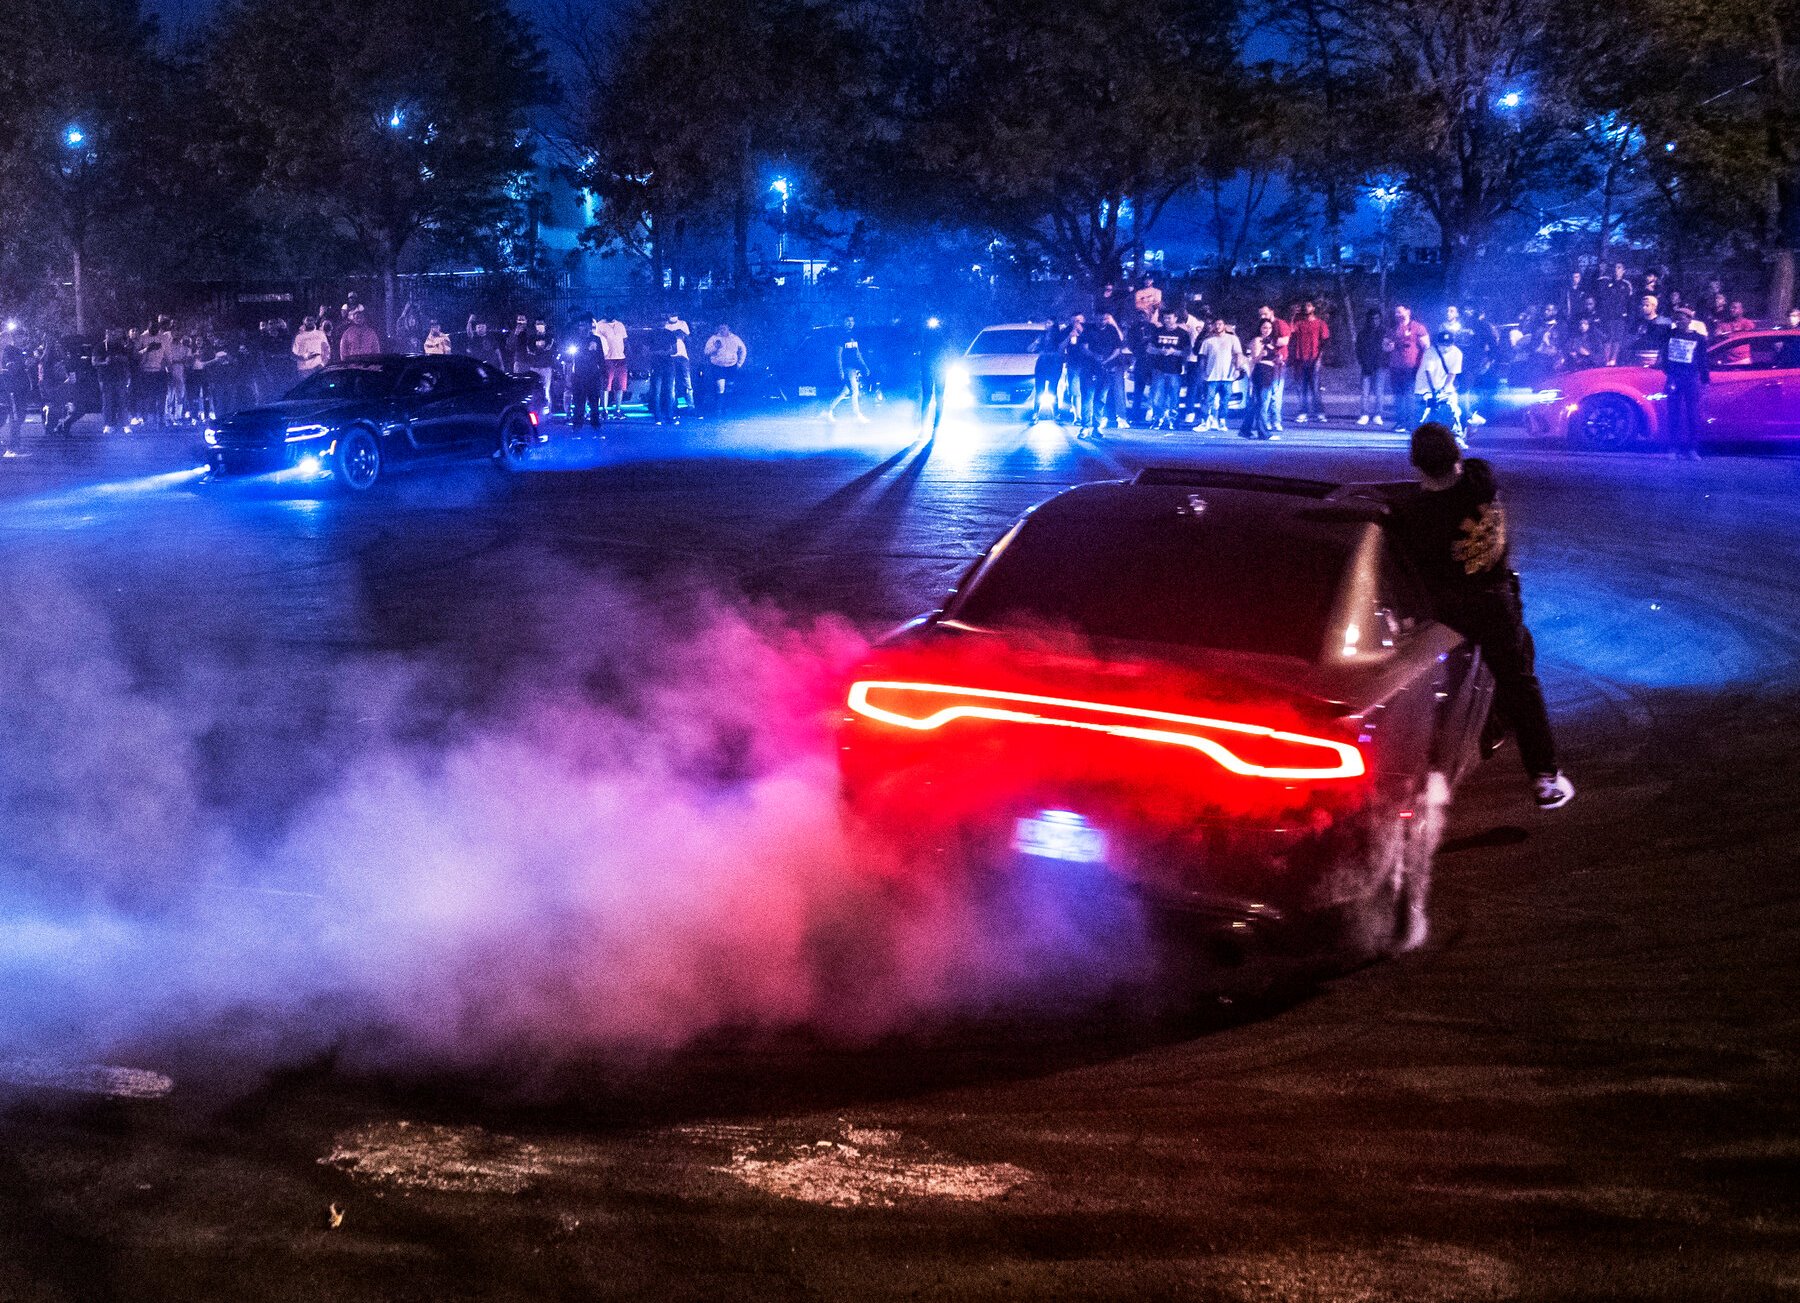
{"x": 1455, "y": 533}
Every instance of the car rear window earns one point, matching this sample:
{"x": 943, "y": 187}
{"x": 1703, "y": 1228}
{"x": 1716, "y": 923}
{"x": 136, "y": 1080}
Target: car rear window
{"x": 1005, "y": 341}
{"x": 1170, "y": 579}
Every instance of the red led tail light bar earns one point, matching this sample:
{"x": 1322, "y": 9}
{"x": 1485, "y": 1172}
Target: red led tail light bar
{"x": 938, "y": 704}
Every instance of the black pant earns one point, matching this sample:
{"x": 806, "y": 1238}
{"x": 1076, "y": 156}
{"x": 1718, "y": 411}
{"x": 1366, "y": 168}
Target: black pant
{"x": 1494, "y": 620}
{"x": 585, "y": 404}
{"x": 1684, "y": 414}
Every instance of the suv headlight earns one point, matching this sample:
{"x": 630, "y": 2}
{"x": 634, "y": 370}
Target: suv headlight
{"x": 296, "y": 433}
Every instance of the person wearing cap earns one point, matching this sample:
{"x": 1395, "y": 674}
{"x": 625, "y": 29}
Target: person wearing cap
{"x": 1685, "y": 373}
{"x": 359, "y": 338}
{"x": 1454, "y": 531}
{"x": 673, "y": 378}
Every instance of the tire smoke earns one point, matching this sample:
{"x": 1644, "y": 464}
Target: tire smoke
{"x": 620, "y": 831}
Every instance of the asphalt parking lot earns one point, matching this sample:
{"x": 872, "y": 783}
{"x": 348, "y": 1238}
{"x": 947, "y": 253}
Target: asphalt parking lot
{"x": 368, "y": 937}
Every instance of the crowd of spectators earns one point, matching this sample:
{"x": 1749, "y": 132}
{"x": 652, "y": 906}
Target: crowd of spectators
{"x": 1137, "y": 356}
{"x": 1142, "y": 358}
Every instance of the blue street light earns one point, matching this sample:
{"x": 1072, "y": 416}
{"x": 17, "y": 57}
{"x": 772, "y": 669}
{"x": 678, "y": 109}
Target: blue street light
{"x": 780, "y": 186}
{"x": 1385, "y": 196}
{"x": 74, "y": 137}
{"x": 397, "y": 120}
{"x": 1511, "y": 100}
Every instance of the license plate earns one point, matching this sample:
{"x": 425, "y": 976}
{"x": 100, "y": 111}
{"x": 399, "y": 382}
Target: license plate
{"x": 1060, "y": 835}
{"x": 807, "y": 391}
{"x": 999, "y": 398}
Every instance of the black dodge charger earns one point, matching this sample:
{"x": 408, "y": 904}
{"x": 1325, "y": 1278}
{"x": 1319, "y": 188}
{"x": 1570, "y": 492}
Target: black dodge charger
{"x": 354, "y": 421}
{"x": 1225, "y": 693}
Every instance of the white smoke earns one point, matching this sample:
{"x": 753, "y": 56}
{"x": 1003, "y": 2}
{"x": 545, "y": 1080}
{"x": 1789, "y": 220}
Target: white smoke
{"x": 615, "y": 829}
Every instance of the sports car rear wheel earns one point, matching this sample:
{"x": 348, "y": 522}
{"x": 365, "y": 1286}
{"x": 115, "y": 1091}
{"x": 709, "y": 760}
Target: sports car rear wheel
{"x": 1606, "y": 421}
{"x": 357, "y": 463}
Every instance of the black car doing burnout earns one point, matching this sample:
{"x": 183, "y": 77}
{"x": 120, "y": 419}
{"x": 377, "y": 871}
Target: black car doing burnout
{"x": 355, "y": 421}
{"x": 1224, "y": 694}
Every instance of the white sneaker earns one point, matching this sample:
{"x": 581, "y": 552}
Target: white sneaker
{"x": 1553, "y": 791}
{"x": 1380, "y": 421}
{"x": 1476, "y": 418}
{"x": 1362, "y": 420}
{"x": 1300, "y": 418}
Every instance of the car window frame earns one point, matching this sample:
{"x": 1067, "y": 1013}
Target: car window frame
{"x": 1781, "y": 344}
{"x": 428, "y": 366}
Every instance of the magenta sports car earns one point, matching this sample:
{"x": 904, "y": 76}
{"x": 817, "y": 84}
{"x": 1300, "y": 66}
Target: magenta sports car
{"x": 1754, "y": 397}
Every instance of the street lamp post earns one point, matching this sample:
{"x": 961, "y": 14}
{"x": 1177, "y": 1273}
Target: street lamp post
{"x": 780, "y": 186}
{"x": 75, "y": 140}
{"x": 1385, "y": 197}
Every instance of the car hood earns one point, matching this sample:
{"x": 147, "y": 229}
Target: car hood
{"x": 301, "y": 411}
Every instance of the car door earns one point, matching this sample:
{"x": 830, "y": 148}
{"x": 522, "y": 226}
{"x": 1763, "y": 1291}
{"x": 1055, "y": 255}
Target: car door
{"x": 486, "y": 400}
{"x": 431, "y": 406}
{"x": 1755, "y": 388}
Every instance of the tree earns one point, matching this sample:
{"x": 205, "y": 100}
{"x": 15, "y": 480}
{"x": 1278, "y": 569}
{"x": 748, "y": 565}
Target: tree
{"x": 1714, "y": 92}
{"x": 1065, "y": 126}
{"x": 393, "y": 124}
{"x": 694, "y": 99}
{"x": 1470, "y": 102}
{"x": 80, "y": 86}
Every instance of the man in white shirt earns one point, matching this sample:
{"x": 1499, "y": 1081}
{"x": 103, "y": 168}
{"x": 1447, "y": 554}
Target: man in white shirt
{"x": 312, "y": 347}
{"x": 1435, "y": 386}
{"x": 1221, "y": 364}
{"x": 615, "y": 374}
{"x": 724, "y": 353}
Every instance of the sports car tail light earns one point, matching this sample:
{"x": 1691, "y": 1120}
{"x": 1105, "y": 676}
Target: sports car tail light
{"x": 1273, "y": 753}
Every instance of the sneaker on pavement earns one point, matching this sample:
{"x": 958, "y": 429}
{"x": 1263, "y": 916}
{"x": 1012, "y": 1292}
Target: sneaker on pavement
{"x": 1476, "y": 418}
{"x": 1300, "y": 418}
{"x": 1362, "y": 420}
{"x": 1553, "y": 791}
{"x": 1380, "y": 420}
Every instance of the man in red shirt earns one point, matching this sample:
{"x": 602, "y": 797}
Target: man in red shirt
{"x": 1405, "y": 348}
{"x": 1306, "y": 346}
{"x": 358, "y": 339}
{"x": 1283, "y": 333}
{"x": 1735, "y": 323}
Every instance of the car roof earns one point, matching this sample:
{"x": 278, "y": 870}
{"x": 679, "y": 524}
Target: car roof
{"x": 1015, "y": 325}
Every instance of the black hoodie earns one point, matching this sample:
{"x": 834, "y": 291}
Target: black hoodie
{"x": 1456, "y": 537}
